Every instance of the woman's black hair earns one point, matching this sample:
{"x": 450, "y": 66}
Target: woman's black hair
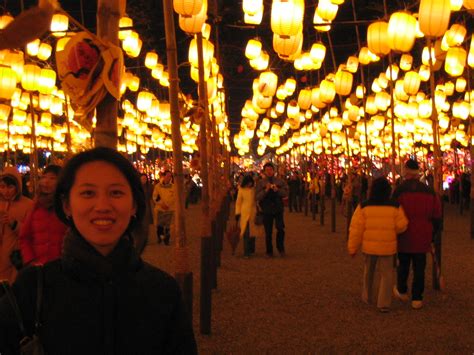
{"x": 248, "y": 179}
{"x": 9, "y": 180}
{"x": 381, "y": 189}
{"x": 107, "y": 155}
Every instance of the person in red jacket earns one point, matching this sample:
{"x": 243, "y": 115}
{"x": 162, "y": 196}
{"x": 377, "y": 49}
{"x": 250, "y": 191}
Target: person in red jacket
{"x": 42, "y": 233}
{"x": 423, "y": 210}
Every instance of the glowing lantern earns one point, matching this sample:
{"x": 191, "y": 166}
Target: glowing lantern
{"x": 377, "y": 38}
{"x": 411, "y": 83}
{"x": 151, "y": 60}
{"x": 469, "y": 4}
{"x": 207, "y": 48}
{"x": 401, "y": 31}
{"x": 456, "y": 5}
{"x": 320, "y": 24}
{"x": 253, "y": 48}
{"x": 59, "y": 23}
{"x": 61, "y": 43}
{"x": 44, "y": 51}
{"x": 254, "y": 19}
{"x": 32, "y": 47}
{"x": 287, "y": 17}
{"x": 461, "y": 84}
{"x": 455, "y": 61}
{"x": 424, "y": 72}
{"x": 187, "y": 7}
{"x": 365, "y": 56}
{"x": 392, "y": 72}
{"x": 327, "y": 91}
{"x": 352, "y": 64}
{"x": 7, "y": 82}
{"x": 252, "y": 7}
{"x": 406, "y": 61}
{"x": 193, "y": 24}
{"x": 5, "y": 20}
{"x": 261, "y": 62}
{"x": 287, "y": 46}
{"x": 46, "y": 81}
{"x": 327, "y": 10}
{"x": 433, "y": 16}
{"x": 268, "y": 83}
{"x": 343, "y": 82}
{"x": 144, "y": 100}
{"x": 304, "y": 99}
{"x": 31, "y": 75}
{"x": 455, "y": 35}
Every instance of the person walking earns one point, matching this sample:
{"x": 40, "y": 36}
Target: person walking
{"x": 142, "y": 231}
{"x": 245, "y": 211}
{"x": 423, "y": 209}
{"x": 270, "y": 192}
{"x": 375, "y": 225}
{"x": 164, "y": 195}
{"x": 99, "y": 297}
{"x": 14, "y": 208}
{"x": 42, "y": 233}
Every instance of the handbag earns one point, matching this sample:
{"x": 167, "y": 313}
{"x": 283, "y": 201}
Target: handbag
{"x": 28, "y": 345}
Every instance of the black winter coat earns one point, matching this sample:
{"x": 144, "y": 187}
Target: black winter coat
{"x": 100, "y": 305}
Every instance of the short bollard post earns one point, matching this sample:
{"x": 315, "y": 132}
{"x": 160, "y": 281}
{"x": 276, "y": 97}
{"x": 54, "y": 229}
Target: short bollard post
{"x": 213, "y": 255}
{"x": 206, "y": 294}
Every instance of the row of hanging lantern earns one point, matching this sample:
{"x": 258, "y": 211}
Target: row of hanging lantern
{"x": 412, "y": 107}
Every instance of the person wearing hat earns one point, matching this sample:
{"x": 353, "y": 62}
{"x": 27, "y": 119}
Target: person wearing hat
{"x": 423, "y": 210}
{"x": 42, "y": 233}
{"x": 270, "y": 192}
{"x": 13, "y": 209}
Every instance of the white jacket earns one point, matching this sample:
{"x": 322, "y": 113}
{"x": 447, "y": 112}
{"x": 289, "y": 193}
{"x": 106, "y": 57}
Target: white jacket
{"x": 246, "y": 206}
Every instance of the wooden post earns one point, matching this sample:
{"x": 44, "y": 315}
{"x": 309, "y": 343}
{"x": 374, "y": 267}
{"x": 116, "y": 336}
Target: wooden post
{"x": 182, "y": 272}
{"x": 108, "y": 16}
{"x": 34, "y": 154}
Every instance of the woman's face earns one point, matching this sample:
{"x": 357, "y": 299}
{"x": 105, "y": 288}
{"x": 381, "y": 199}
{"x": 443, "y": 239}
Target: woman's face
{"x": 100, "y": 204}
{"x": 8, "y": 192}
{"x": 48, "y": 183}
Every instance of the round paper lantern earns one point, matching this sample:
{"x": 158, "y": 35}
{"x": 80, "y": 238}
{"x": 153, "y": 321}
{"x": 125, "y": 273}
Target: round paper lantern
{"x": 7, "y": 82}
{"x": 455, "y": 61}
{"x": 287, "y": 46}
{"x": 254, "y": 19}
{"x": 352, "y": 64}
{"x": 187, "y": 7}
{"x": 455, "y": 35}
{"x": 253, "y": 48}
{"x": 5, "y": 20}
{"x": 151, "y": 60}
{"x": 401, "y": 31}
{"x": 377, "y": 38}
{"x": 44, "y": 51}
{"x": 433, "y": 16}
{"x": 193, "y": 24}
{"x": 424, "y": 72}
{"x": 59, "y": 23}
{"x": 304, "y": 99}
{"x": 327, "y": 91}
{"x": 406, "y": 61}
{"x": 287, "y": 17}
{"x": 327, "y": 10}
{"x": 252, "y": 7}
{"x": 318, "y": 52}
{"x": 461, "y": 84}
{"x": 343, "y": 82}
{"x": 47, "y": 81}
{"x": 411, "y": 83}
{"x": 31, "y": 75}
{"x": 268, "y": 82}
{"x": 469, "y": 4}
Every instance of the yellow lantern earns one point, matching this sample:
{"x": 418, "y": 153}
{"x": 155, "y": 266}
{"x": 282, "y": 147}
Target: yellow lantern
{"x": 187, "y": 7}
{"x": 44, "y": 51}
{"x": 61, "y": 43}
{"x": 321, "y": 24}
{"x": 4, "y": 112}
{"x": 343, "y": 82}
{"x": 327, "y": 10}
{"x": 5, "y": 20}
{"x": 32, "y": 47}
{"x": 287, "y": 46}
{"x": 151, "y": 60}
{"x": 433, "y": 16}
{"x": 455, "y": 61}
{"x": 193, "y": 24}
{"x": 456, "y": 5}
{"x": 469, "y": 4}
{"x": 287, "y": 17}
{"x": 365, "y": 57}
{"x": 254, "y": 19}
{"x": 268, "y": 82}
{"x": 59, "y": 24}
{"x": 7, "y": 82}
{"x": 252, "y": 7}
{"x": 46, "y": 81}
{"x": 424, "y": 72}
{"x": 411, "y": 83}
{"x": 377, "y": 38}
{"x": 352, "y": 64}
{"x": 401, "y": 31}
{"x": 253, "y": 48}
{"x": 144, "y": 100}
{"x": 406, "y": 61}
{"x": 31, "y": 75}
{"x": 461, "y": 84}
{"x": 327, "y": 91}
{"x": 304, "y": 99}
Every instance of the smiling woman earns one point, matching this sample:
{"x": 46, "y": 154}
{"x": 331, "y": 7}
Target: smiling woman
{"x": 100, "y": 297}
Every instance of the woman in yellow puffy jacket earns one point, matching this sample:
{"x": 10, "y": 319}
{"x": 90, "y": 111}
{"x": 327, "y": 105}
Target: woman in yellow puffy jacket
{"x": 374, "y": 228}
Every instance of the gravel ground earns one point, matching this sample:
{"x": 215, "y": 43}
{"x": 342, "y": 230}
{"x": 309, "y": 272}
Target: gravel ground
{"x": 309, "y": 301}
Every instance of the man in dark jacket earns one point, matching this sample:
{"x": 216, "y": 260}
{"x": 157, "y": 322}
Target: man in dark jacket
{"x": 423, "y": 210}
{"x": 269, "y": 194}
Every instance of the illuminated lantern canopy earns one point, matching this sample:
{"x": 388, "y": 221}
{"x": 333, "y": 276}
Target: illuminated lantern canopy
{"x": 401, "y": 31}
{"x": 287, "y": 17}
{"x": 433, "y": 17}
{"x": 187, "y": 8}
{"x": 377, "y": 38}
{"x": 455, "y": 61}
{"x": 7, "y": 82}
{"x": 343, "y": 82}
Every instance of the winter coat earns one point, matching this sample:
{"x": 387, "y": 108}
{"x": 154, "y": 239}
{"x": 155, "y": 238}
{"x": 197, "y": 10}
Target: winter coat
{"x": 271, "y": 202}
{"x": 41, "y": 236}
{"x": 375, "y": 226}
{"x": 94, "y": 304}
{"x": 17, "y": 211}
{"x": 245, "y": 206}
{"x": 423, "y": 210}
{"x": 163, "y": 195}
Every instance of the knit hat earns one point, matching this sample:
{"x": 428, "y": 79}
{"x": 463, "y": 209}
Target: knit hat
{"x": 53, "y": 169}
{"x": 411, "y": 168}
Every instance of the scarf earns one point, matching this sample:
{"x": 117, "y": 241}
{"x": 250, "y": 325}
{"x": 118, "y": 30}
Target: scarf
{"x": 86, "y": 263}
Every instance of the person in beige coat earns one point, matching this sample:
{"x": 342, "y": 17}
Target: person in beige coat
{"x": 13, "y": 209}
{"x": 164, "y": 197}
{"x": 245, "y": 211}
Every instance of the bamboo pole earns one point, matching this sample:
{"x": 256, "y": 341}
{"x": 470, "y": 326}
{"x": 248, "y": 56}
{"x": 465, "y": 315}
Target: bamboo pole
{"x": 108, "y": 16}
{"x": 34, "y": 154}
{"x": 182, "y": 272}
